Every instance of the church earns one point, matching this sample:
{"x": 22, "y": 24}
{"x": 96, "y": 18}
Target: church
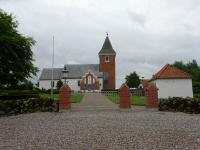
{"x": 85, "y": 77}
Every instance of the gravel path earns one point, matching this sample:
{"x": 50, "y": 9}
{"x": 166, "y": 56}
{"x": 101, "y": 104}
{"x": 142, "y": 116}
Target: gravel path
{"x": 100, "y": 130}
{"x": 94, "y": 101}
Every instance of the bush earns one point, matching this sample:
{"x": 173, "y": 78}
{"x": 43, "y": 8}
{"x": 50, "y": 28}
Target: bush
{"x": 27, "y": 105}
{"x": 196, "y": 87}
{"x": 196, "y": 95}
{"x": 17, "y": 94}
{"x": 187, "y": 105}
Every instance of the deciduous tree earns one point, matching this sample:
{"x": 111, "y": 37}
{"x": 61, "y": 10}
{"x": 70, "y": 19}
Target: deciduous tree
{"x": 16, "y": 56}
{"x": 133, "y": 80}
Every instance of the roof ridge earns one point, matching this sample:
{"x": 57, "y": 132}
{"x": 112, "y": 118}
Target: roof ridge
{"x": 158, "y": 74}
{"x": 170, "y": 71}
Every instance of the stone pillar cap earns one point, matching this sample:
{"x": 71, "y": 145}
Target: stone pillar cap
{"x": 124, "y": 89}
{"x": 65, "y": 87}
{"x": 152, "y": 85}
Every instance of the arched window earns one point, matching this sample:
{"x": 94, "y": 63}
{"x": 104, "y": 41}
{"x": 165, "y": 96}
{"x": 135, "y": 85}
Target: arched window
{"x": 89, "y": 80}
{"x": 107, "y": 59}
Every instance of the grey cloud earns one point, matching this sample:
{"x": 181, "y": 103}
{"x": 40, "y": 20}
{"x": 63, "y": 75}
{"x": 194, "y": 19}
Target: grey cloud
{"x": 146, "y": 35}
{"x": 136, "y": 18}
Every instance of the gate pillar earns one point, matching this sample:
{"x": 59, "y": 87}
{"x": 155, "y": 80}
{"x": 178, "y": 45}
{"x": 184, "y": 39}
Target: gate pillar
{"x": 125, "y": 97}
{"x": 152, "y": 96}
{"x": 65, "y": 97}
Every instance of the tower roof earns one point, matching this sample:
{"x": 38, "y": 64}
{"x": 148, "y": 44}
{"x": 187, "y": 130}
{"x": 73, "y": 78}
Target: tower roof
{"x": 107, "y": 47}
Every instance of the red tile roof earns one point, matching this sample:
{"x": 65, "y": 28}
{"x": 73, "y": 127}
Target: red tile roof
{"x": 170, "y": 72}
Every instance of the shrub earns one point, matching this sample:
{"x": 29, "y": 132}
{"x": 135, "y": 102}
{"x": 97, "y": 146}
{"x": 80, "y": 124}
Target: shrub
{"x": 187, "y": 105}
{"x": 17, "y": 94}
{"x": 197, "y": 95}
{"x": 27, "y": 105}
{"x": 196, "y": 87}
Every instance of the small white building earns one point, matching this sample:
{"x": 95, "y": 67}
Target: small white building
{"x": 172, "y": 82}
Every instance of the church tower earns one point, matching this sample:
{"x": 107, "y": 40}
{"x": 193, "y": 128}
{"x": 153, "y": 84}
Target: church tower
{"x": 107, "y": 64}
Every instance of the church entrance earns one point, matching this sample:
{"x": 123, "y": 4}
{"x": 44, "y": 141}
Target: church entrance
{"x": 90, "y": 82}
{"x": 90, "y": 87}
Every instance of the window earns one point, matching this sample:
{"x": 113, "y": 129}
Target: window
{"x": 107, "y": 59}
{"x": 52, "y": 83}
{"x": 79, "y": 82}
{"x": 89, "y": 80}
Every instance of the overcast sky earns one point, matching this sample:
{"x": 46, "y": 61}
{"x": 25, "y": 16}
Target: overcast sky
{"x": 146, "y": 34}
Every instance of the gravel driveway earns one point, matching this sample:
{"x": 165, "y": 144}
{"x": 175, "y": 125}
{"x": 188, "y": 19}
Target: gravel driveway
{"x": 100, "y": 130}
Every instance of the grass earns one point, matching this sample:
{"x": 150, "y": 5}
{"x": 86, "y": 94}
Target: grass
{"x": 76, "y": 98}
{"x": 135, "y": 100}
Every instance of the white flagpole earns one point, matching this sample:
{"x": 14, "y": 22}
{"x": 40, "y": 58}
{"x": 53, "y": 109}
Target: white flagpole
{"x": 52, "y": 71}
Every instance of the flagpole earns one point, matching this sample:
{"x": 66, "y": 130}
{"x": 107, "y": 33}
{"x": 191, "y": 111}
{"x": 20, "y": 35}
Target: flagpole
{"x": 52, "y": 71}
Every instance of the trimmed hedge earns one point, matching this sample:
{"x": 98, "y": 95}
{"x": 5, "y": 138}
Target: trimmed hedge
{"x": 27, "y": 105}
{"x": 178, "y": 104}
{"x": 17, "y": 94}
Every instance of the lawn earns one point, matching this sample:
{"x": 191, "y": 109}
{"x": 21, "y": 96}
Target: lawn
{"x": 135, "y": 100}
{"x": 76, "y": 98}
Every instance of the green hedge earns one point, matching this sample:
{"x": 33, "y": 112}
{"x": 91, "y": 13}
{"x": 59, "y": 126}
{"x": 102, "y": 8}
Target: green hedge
{"x": 196, "y": 87}
{"x": 18, "y": 94}
{"x": 187, "y": 105}
{"x": 27, "y": 105}
{"x": 197, "y": 95}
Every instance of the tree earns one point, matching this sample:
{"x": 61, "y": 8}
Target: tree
{"x": 16, "y": 59}
{"x": 59, "y": 84}
{"x": 132, "y": 80}
{"x": 26, "y": 85}
{"x": 191, "y": 67}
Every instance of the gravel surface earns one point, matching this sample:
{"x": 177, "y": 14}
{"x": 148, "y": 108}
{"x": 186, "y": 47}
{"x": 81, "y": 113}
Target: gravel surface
{"x": 100, "y": 130}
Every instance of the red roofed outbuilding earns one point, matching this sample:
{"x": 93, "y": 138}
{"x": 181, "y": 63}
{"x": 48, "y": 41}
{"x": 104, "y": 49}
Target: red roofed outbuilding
{"x": 172, "y": 82}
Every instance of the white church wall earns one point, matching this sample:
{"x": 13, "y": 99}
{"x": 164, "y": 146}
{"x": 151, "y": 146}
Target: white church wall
{"x": 174, "y": 88}
{"x": 46, "y": 84}
{"x": 73, "y": 84}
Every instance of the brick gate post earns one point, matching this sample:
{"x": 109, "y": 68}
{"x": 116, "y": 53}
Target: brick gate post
{"x": 65, "y": 97}
{"x": 125, "y": 97}
{"x": 152, "y": 96}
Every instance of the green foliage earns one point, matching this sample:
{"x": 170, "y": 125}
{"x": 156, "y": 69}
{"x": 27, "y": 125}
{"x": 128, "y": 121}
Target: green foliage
{"x": 132, "y": 80}
{"x": 16, "y": 94}
{"x": 191, "y": 67}
{"x": 59, "y": 85}
{"x": 16, "y": 55}
{"x": 196, "y": 87}
{"x": 187, "y": 105}
{"x": 196, "y": 95}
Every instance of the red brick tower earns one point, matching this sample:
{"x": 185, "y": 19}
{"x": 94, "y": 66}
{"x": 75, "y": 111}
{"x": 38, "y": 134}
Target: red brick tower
{"x": 107, "y": 64}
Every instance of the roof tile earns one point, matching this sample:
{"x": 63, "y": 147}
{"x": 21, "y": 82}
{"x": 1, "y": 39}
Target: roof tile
{"x": 169, "y": 71}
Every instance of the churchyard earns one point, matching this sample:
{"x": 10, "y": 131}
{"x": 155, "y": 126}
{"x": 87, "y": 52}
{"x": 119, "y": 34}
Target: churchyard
{"x": 77, "y": 106}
